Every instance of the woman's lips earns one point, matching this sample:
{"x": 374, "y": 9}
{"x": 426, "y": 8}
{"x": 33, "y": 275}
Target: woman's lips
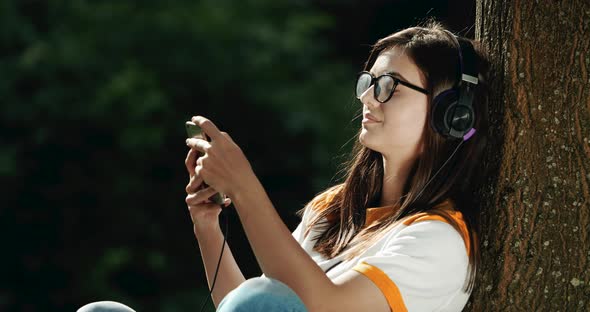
{"x": 370, "y": 119}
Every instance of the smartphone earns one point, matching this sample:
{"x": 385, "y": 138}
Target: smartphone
{"x": 194, "y": 131}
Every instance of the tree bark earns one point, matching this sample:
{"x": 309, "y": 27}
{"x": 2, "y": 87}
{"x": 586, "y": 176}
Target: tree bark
{"x": 536, "y": 216}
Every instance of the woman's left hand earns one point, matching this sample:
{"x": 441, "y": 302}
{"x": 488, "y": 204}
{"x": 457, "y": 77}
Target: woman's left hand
{"x": 223, "y": 165}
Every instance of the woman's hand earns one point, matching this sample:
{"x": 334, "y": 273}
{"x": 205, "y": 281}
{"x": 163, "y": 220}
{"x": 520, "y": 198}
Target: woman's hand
{"x": 223, "y": 165}
{"x": 204, "y": 213}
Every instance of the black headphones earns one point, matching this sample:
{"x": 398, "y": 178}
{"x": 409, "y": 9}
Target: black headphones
{"x": 452, "y": 114}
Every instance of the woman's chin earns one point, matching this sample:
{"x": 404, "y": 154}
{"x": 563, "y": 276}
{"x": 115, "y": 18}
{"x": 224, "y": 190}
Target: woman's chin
{"x": 363, "y": 140}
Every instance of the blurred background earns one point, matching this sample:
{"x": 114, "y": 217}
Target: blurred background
{"x": 94, "y": 96}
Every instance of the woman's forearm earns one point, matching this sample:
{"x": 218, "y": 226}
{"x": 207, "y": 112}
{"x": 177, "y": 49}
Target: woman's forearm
{"x": 278, "y": 253}
{"x": 280, "y": 256}
{"x": 229, "y": 276}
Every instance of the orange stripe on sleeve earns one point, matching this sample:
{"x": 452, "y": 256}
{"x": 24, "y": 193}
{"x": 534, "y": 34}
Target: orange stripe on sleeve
{"x": 385, "y": 284}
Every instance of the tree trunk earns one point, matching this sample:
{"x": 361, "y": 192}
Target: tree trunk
{"x": 536, "y": 217}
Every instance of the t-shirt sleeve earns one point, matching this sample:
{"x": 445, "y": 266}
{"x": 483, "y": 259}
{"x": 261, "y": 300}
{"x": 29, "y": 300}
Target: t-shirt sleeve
{"x": 420, "y": 267}
{"x": 299, "y": 231}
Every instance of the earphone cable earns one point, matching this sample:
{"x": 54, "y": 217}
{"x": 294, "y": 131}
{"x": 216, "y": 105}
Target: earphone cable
{"x": 218, "y": 261}
{"x": 439, "y": 169}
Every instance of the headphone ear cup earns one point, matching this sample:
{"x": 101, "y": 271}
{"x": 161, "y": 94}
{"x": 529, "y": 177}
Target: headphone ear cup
{"x": 440, "y": 106}
{"x": 461, "y": 118}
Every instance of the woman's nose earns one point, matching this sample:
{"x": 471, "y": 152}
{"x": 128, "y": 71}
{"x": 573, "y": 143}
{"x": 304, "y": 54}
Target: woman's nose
{"x": 368, "y": 99}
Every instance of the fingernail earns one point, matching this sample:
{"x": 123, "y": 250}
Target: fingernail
{"x": 186, "y": 141}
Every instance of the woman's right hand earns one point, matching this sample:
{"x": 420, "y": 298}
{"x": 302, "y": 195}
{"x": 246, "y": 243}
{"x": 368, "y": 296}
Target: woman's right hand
{"x": 204, "y": 212}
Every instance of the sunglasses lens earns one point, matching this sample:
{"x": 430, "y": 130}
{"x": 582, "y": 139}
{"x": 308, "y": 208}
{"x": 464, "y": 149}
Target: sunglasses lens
{"x": 383, "y": 88}
{"x": 362, "y": 84}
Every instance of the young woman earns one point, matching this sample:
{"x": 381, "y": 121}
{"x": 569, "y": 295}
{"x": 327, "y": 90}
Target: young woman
{"x": 400, "y": 233}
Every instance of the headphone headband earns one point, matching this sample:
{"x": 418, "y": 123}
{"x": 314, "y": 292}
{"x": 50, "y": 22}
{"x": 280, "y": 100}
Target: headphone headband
{"x": 452, "y": 113}
{"x": 467, "y": 61}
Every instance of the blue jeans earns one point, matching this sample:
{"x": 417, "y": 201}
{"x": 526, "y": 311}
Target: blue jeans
{"x": 261, "y": 294}
{"x": 105, "y": 306}
{"x": 255, "y": 294}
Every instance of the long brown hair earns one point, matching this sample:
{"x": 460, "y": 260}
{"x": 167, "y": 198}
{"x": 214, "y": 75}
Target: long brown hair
{"x": 435, "y": 54}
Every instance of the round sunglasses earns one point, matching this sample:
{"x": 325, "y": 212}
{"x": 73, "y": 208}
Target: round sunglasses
{"x": 384, "y": 85}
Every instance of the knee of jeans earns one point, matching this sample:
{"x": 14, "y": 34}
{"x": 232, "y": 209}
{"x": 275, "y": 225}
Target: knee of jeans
{"x": 105, "y": 306}
{"x": 268, "y": 287}
{"x": 261, "y": 292}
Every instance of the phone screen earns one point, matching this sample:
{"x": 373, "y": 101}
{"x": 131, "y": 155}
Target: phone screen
{"x": 194, "y": 131}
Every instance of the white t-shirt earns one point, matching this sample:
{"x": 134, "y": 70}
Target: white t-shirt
{"x": 419, "y": 265}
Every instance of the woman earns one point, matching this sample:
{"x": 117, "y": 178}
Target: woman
{"x": 400, "y": 233}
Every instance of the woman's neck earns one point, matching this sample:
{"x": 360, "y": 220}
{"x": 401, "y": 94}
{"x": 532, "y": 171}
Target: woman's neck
{"x": 395, "y": 174}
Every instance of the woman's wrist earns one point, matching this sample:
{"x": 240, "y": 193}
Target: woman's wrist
{"x": 251, "y": 187}
{"x": 204, "y": 229}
